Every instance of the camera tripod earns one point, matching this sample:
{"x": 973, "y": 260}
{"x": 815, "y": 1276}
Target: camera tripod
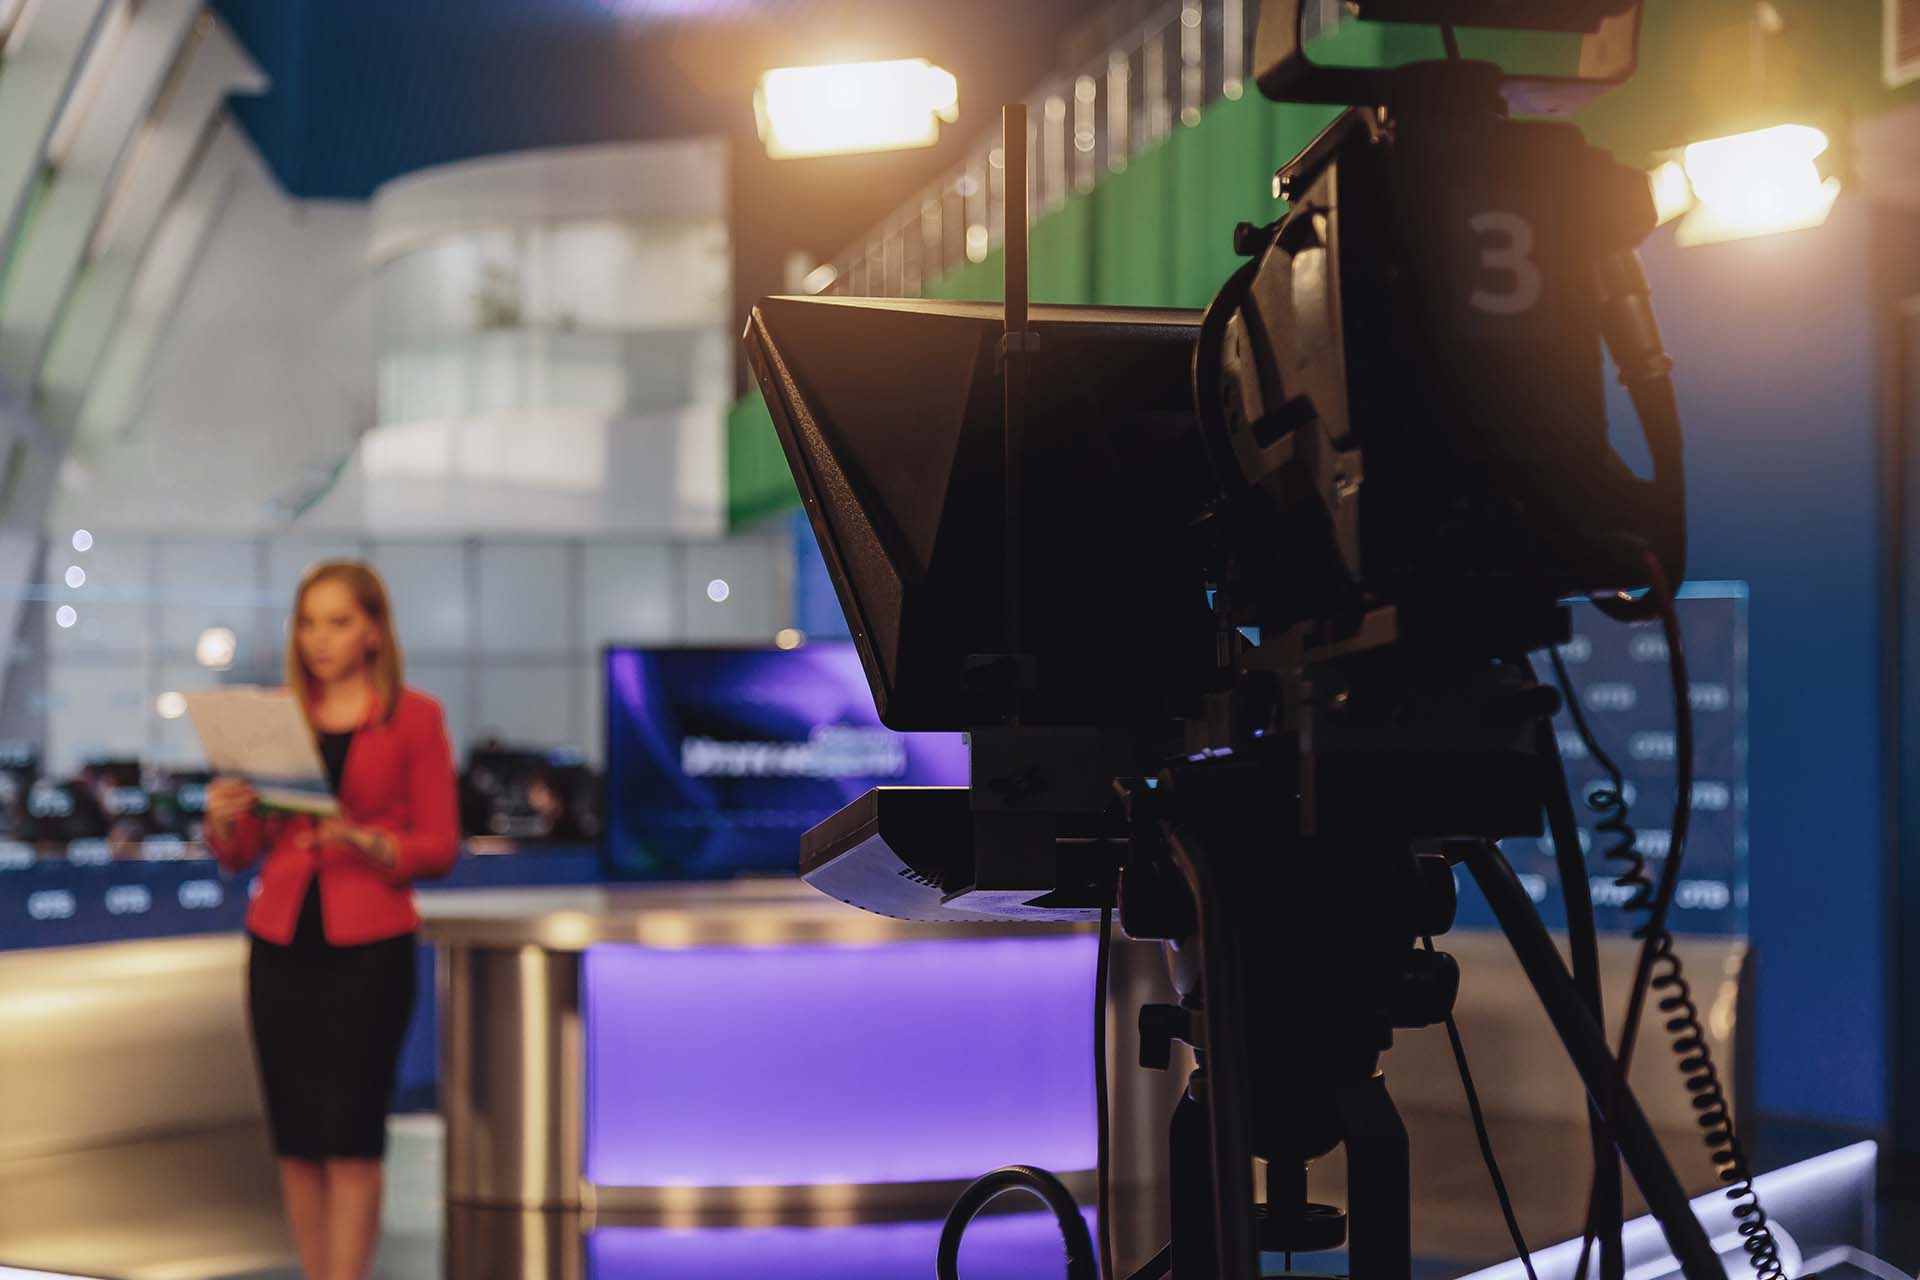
{"x": 1297, "y": 956}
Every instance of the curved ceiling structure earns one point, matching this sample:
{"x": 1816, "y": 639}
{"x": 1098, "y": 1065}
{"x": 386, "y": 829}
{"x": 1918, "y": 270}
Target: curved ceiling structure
{"x": 106, "y": 109}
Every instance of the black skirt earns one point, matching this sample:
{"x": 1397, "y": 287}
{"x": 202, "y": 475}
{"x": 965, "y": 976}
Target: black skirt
{"x": 327, "y": 1027}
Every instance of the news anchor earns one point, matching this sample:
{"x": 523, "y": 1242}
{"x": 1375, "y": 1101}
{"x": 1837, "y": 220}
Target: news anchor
{"x": 330, "y": 973}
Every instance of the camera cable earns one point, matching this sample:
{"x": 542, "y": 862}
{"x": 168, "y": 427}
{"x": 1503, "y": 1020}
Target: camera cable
{"x": 1486, "y": 1141}
{"x": 1081, "y": 1263}
{"x": 1659, "y": 972}
{"x": 1610, "y": 804}
{"x": 1605, "y": 1209}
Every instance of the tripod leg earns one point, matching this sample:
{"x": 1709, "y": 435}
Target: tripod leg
{"x": 1229, "y": 1102}
{"x": 1586, "y": 1044}
{"x": 1190, "y": 1156}
{"x": 1379, "y": 1182}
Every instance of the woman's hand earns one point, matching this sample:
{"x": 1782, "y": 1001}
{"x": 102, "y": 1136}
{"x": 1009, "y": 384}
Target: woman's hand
{"x": 228, "y": 801}
{"x": 372, "y": 843}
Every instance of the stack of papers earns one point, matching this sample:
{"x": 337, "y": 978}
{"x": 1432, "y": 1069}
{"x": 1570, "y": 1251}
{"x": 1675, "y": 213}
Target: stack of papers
{"x": 262, "y": 735}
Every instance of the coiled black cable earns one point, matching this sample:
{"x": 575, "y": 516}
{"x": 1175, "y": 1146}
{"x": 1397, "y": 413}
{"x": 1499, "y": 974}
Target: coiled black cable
{"x": 1712, "y": 1111}
{"x": 1081, "y": 1264}
{"x": 1661, "y": 972}
{"x": 1609, "y": 803}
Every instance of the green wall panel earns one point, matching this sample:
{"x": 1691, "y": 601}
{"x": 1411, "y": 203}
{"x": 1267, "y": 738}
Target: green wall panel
{"x": 1061, "y": 255}
{"x": 1132, "y": 253}
{"x": 758, "y": 481}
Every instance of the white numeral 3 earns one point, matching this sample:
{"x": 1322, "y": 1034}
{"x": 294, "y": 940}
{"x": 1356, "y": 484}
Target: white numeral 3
{"x": 1513, "y": 255}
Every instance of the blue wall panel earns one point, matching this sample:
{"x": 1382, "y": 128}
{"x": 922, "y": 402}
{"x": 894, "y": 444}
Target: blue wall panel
{"x": 1775, "y": 341}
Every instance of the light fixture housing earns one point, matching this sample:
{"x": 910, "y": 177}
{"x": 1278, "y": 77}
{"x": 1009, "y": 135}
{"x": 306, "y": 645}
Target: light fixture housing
{"x": 1760, "y": 182}
{"x": 851, "y": 107}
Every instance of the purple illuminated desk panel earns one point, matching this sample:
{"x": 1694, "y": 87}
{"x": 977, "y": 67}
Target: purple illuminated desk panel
{"x": 758, "y": 1052}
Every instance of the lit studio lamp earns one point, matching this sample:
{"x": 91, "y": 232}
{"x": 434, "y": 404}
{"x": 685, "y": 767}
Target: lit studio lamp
{"x": 1759, "y": 166}
{"x": 851, "y": 107}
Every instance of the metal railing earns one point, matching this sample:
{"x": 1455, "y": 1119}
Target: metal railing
{"x": 1082, "y": 124}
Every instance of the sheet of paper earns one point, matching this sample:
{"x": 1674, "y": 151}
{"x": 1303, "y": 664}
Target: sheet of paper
{"x": 260, "y": 735}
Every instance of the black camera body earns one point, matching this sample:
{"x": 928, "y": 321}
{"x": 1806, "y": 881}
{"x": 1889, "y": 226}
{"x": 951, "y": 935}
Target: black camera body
{"x": 1608, "y": 31}
{"x": 1404, "y": 401}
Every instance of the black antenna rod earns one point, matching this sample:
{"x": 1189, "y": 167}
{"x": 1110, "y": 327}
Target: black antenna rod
{"x": 1014, "y": 347}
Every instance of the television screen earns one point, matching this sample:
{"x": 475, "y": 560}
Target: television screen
{"x": 718, "y": 760}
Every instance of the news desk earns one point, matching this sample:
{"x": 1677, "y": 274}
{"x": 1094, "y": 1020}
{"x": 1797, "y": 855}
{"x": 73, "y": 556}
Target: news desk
{"x": 619, "y": 1064}
{"x": 757, "y": 1053}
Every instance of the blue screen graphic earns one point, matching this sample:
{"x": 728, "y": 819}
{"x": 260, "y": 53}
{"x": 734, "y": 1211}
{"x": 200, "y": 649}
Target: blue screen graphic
{"x": 719, "y": 760}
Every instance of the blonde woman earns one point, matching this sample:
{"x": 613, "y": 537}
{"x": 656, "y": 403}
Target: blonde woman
{"x": 330, "y": 974}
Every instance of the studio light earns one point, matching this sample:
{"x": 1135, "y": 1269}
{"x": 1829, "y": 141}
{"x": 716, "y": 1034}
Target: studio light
{"x": 170, "y": 705}
{"x": 216, "y": 648}
{"x": 1672, "y": 193}
{"x": 1747, "y": 184}
{"x": 851, "y": 107}
{"x": 820, "y": 279}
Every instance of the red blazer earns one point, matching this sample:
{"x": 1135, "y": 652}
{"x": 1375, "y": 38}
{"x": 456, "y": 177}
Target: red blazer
{"x": 399, "y": 777}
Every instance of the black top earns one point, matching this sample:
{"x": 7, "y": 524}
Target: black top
{"x": 310, "y": 932}
{"x": 333, "y": 753}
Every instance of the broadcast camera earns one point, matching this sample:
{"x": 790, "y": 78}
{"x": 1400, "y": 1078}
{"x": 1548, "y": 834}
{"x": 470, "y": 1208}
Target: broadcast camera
{"x": 1235, "y": 605}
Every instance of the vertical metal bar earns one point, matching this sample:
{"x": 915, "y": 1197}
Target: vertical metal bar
{"x": 1159, "y": 111}
{"x": 996, "y": 197}
{"x": 1233, "y": 42}
{"x": 893, "y": 251}
{"x": 933, "y": 254}
{"x": 1086, "y": 121}
{"x": 973, "y": 187}
{"x": 1193, "y": 62}
{"x": 1014, "y": 357}
{"x": 1053, "y": 154}
{"x": 1119, "y": 110}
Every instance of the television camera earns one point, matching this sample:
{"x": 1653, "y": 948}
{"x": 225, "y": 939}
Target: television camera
{"x": 1235, "y": 605}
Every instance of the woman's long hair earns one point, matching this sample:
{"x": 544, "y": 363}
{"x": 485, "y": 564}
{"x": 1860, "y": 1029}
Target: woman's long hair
{"x": 386, "y": 667}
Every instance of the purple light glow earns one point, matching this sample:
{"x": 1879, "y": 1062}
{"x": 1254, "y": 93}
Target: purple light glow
{"x": 900, "y": 1062}
{"x": 1024, "y": 1246}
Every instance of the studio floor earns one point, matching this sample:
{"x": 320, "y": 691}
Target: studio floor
{"x": 203, "y": 1207}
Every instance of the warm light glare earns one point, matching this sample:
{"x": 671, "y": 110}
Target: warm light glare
{"x": 854, "y": 106}
{"x": 789, "y": 638}
{"x": 1758, "y": 183}
{"x": 170, "y": 705}
{"x": 1672, "y": 193}
{"x": 82, "y": 540}
{"x": 216, "y": 648}
{"x": 821, "y": 278}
